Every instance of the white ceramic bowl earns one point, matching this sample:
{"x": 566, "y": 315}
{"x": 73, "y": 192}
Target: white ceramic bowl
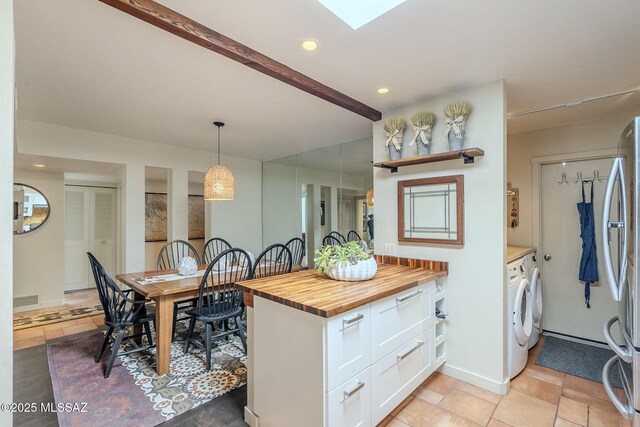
{"x": 347, "y": 272}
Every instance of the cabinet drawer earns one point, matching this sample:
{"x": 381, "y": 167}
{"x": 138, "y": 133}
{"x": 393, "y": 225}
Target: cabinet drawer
{"x": 395, "y": 376}
{"x": 398, "y": 318}
{"x": 349, "y": 405}
{"x": 348, "y": 345}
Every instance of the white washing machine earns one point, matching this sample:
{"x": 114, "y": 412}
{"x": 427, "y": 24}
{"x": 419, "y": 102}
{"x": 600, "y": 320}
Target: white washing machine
{"x": 519, "y": 317}
{"x": 532, "y": 272}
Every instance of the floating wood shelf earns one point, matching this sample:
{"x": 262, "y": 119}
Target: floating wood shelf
{"x": 468, "y": 154}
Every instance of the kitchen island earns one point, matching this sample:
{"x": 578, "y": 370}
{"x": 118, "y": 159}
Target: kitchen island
{"x": 329, "y": 353}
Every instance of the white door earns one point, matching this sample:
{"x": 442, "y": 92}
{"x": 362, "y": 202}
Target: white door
{"x": 76, "y": 238}
{"x": 561, "y": 247}
{"x": 102, "y": 231}
{"x": 90, "y": 226}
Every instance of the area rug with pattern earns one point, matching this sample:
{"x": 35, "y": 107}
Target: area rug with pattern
{"x": 41, "y": 319}
{"x": 134, "y": 394}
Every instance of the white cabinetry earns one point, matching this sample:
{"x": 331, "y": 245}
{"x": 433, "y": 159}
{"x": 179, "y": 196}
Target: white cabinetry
{"x": 348, "y": 344}
{"x": 372, "y": 358}
{"x": 400, "y": 372}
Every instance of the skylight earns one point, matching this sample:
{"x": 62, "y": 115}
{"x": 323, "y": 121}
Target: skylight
{"x": 357, "y": 13}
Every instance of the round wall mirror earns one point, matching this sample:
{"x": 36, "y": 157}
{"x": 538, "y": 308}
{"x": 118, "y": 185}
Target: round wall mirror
{"x": 30, "y": 209}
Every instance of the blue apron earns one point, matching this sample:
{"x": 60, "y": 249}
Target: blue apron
{"x": 588, "y": 262}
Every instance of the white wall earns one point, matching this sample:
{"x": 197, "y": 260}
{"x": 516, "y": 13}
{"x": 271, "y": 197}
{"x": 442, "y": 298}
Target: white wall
{"x": 476, "y": 338}
{"x": 594, "y": 135}
{"x": 38, "y": 256}
{"x": 7, "y": 84}
{"x": 238, "y": 220}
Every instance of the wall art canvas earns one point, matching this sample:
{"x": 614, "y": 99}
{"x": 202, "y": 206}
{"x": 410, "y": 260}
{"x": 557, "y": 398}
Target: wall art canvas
{"x": 155, "y": 217}
{"x": 196, "y": 217}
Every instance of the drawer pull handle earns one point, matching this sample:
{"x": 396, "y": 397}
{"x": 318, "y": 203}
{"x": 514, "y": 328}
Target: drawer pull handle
{"x": 348, "y": 394}
{"x": 417, "y": 346}
{"x": 353, "y": 320}
{"x": 406, "y": 298}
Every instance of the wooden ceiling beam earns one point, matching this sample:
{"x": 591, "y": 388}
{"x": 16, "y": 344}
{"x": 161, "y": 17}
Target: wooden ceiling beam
{"x": 175, "y": 23}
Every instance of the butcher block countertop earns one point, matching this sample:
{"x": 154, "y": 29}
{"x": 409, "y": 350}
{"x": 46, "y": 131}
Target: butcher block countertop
{"x": 515, "y": 252}
{"x": 317, "y": 294}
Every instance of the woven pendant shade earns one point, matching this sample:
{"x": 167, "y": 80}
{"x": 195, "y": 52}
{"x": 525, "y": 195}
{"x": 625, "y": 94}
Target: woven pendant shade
{"x": 218, "y": 184}
{"x": 369, "y": 199}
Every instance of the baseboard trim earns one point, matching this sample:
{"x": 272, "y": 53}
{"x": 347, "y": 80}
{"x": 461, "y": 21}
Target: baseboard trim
{"x": 575, "y": 339}
{"x": 38, "y": 306}
{"x": 475, "y": 379}
{"x": 250, "y": 418}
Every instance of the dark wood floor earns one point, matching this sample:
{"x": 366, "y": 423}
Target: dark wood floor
{"x": 32, "y": 383}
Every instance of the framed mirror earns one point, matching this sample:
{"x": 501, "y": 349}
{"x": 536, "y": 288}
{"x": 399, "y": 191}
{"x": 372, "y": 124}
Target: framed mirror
{"x": 431, "y": 210}
{"x": 31, "y": 209}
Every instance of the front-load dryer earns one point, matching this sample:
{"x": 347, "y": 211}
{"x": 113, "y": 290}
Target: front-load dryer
{"x": 519, "y": 318}
{"x": 532, "y": 273}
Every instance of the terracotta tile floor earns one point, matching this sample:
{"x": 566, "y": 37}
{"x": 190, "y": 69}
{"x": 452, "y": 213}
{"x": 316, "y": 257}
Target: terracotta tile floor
{"x": 38, "y": 335}
{"x": 538, "y": 397}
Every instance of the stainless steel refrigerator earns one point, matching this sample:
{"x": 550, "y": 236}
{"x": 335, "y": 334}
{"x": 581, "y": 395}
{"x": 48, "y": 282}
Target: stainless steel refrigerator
{"x": 620, "y": 239}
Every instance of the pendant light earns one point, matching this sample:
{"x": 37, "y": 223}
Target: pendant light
{"x": 218, "y": 183}
{"x": 369, "y": 198}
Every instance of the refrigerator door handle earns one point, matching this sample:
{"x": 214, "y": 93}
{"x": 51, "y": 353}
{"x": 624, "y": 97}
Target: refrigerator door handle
{"x": 615, "y": 172}
{"x": 626, "y": 410}
{"x": 624, "y": 353}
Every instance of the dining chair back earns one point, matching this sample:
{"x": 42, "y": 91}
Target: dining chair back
{"x": 353, "y": 236}
{"x": 172, "y": 253}
{"x": 274, "y": 260}
{"x": 296, "y": 247}
{"x": 338, "y": 236}
{"x": 213, "y": 248}
{"x": 219, "y": 298}
{"x": 220, "y": 301}
{"x": 120, "y": 312}
{"x": 330, "y": 240}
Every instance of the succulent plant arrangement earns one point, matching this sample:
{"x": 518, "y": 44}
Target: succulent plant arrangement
{"x": 330, "y": 256}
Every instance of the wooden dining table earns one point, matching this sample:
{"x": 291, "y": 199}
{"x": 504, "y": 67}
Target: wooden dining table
{"x": 165, "y": 293}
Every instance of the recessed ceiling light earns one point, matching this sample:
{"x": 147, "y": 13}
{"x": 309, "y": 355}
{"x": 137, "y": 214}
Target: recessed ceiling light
{"x": 383, "y": 90}
{"x": 309, "y": 45}
{"x": 38, "y": 165}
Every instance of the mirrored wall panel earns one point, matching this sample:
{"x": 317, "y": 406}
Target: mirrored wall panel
{"x": 317, "y": 193}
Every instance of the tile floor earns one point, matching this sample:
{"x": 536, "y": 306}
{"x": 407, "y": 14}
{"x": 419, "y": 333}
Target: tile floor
{"x": 538, "y": 396}
{"x": 38, "y": 335}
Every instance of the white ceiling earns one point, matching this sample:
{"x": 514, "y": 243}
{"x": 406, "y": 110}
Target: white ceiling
{"x": 83, "y": 64}
{"x": 75, "y": 170}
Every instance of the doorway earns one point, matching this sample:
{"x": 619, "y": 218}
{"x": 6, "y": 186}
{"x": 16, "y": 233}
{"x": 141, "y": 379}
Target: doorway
{"x": 565, "y": 311}
{"x": 90, "y": 226}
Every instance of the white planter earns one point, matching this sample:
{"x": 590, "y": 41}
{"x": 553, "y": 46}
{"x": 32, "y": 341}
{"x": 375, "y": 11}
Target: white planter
{"x": 347, "y": 272}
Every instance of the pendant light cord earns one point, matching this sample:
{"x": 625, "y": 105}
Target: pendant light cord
{"x": 218, "y": 145}
{"x": 219, "y": 125}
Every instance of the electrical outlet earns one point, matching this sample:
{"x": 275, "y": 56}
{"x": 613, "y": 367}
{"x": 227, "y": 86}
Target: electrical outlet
{"x": 390, "y": 249}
